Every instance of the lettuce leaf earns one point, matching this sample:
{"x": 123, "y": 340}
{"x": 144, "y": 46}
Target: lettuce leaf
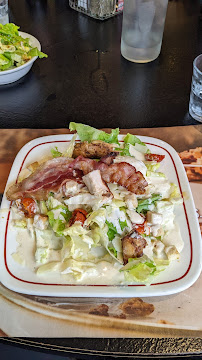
{"x": 130, "y": 139}
{"x": 76, "y": 268}
{"x": 35, "y": 52}
{"x": 143, "y": 270}
{"x": 70, "y": 148}
{"x": 80, "y": 234}
{"x": 21, "y": 223}
{"x": 89, "y": 133}
{"x": 112, "y": 231}
{"x": 52, "y": 203}
{"x": 9, "y": 28}
{"x": 144, "y": 204}
{"x": 58, "y": 224}
{"x": 49, "y": 267}
{"x": 175, "y": 196}
{"x": 140, "y": 272}
{"x": 97, "y": 217}
{"x": 152, "y": 166}
{"x": 113, "y": 250}
{"x": 55, "y": 153}
{"x": 155, "y": 174}
{"x": 41, "y": 255}
{"x": 123, "y": 224}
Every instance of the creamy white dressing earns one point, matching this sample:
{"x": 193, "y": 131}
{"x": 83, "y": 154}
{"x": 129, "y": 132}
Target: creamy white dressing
{"x": 26, "y": 248}
{"x": 173, "y": 237}
{"x": 79, "y": 262}
{"x": 158, "y": 185}
{"x": 99, "y": 274}
{"x": 137, "y": 154}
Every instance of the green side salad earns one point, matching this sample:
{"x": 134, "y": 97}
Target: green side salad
{"x": 14, "y": 49}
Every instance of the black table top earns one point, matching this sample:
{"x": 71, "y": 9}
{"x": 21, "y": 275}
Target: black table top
{"x": 85, "y": 78}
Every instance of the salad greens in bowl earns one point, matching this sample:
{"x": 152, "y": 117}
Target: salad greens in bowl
{"x": 18, "y": 51}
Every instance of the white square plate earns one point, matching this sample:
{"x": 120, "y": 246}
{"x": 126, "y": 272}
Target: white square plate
{"x": 180, "y": 274}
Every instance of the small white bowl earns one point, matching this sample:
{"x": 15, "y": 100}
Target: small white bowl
{"x": 9, "y": 76}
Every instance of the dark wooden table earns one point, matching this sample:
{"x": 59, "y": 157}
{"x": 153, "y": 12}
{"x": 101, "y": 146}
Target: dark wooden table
{"x": 85, "y": 78}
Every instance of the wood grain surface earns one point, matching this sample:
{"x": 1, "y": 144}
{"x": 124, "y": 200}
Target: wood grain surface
{"x": 12, "y": 140}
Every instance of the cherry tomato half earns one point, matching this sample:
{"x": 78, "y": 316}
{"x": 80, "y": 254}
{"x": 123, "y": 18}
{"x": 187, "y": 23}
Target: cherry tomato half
{"x": 154, "y": 157}
{"x": 29, "y": 207}
{"x": 78, "y": 215}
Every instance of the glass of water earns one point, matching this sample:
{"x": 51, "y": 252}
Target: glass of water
{"x": 142, "y": 29}
{"x": 4, "y": 12}
{"x": 195, "y": 104}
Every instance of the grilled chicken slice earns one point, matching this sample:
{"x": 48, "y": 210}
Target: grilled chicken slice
{"x": 94, "y": 150}
{"x": 95, "y": 184}
{"x": 133, "y": 245}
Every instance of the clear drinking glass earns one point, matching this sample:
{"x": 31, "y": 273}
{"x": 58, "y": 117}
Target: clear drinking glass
{"x": 142, "y": 29}
{"x": 195, "y": 104}
{"x": 4, "y": 12}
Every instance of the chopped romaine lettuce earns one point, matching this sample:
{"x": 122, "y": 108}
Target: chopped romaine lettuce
{"x": 42, "y": 207}
{"x": 152, "y": 166}
{"x": 136, "y": 142}
{"x": 145, "y": 204}
{"x": 57, "y": 224}
{"x": 97, "y": 217}
{"x": 21, "y": 223}
{"x": 112, "y": 231}
{"x": 125, "y": 151}
{"x": 175, "y": 196}
{"x": 52, "y": 203}
{"x": 58, "y": 218}
{"x": 143, "y": 269}
{"x": 113, "y": 250}
{"x": 35, "y": 52}
{"x": 70, "y": 148}
{"x": 49, "y": 267}
{"x": 47, "y": 238}
{"x": 55, "y": 153}
{"x": 132, "y": 139}
{"x": 77, "y": 268}
{"x": 89, "y": 133}
{"x": 123, "y": 224}
{"x": 155, "y": 174}
{"x": 41, "y": 255}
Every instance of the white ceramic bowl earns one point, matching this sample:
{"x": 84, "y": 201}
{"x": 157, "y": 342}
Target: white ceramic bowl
{"x": 9, "y": 76}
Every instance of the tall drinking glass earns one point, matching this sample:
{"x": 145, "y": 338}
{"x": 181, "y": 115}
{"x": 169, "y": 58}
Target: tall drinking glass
{"x": 4, "y": 19}
{"x": 142, "y": 29}
{"x": 195, "y": 104}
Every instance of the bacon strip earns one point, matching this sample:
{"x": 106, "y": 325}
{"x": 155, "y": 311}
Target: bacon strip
{"x": 48, "y": 177}
{"x": 53, "y": 174}
{"x": 123, "y": 173}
